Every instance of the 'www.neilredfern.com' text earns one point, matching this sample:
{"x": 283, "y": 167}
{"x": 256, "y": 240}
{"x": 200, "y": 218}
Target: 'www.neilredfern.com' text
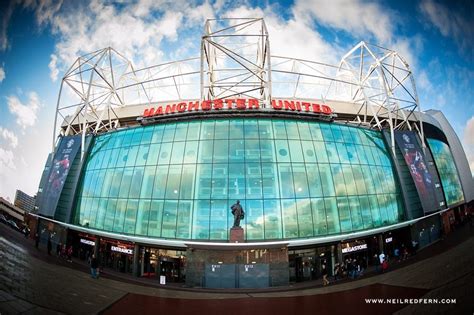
{"x": 410, "y": 301}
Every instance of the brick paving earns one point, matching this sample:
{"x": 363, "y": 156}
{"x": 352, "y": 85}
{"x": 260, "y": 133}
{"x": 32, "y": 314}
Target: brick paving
{"x": 31, "y": 282}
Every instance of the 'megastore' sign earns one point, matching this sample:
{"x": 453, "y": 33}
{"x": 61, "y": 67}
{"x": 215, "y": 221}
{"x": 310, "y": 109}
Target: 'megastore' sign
{"x": 236, "y": 104}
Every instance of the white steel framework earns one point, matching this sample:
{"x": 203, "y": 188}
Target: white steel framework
{"x": 235, "y": 61}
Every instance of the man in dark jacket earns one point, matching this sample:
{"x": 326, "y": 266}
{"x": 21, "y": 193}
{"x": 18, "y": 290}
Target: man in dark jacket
{"x": 94, "y": 266}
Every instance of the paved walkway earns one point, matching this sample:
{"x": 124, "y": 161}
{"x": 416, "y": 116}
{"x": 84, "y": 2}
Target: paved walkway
{"x": 33, "y": 283}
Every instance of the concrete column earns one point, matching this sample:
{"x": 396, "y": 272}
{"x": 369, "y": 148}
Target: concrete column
{"x": 136, "y": 257}
{"x": 339, "y": 253}
{"x": 380, "y": 241}
{"x": 333, "y": 259}
{"x": 96, "y": 247}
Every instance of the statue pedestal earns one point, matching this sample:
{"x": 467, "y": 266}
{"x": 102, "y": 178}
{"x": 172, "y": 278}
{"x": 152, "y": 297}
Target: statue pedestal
{"x": 237, "y": 235}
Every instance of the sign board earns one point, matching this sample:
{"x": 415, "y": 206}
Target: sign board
{"x": 236, "y": 104}
{"x": 88, "y": 242}
{"x": 354, "y": 248}
{"x": 62, "y": 161}
{"x": 122, "y": 250}
{"x": 388, "y": 240}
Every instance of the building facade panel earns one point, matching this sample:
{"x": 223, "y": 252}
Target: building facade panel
{"x": 294, "y": 178}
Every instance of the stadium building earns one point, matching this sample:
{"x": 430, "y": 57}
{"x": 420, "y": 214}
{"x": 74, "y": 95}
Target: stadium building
{"x": 329, "y": 162}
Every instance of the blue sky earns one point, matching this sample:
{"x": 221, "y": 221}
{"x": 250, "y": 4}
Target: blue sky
{"x": 39, "y": 40}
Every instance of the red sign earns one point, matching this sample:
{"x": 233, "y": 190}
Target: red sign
{"x": 238, "y": 104}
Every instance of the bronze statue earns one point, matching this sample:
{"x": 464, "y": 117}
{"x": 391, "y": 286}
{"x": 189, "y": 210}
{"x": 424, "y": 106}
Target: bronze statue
{"x": 238, "y": 213}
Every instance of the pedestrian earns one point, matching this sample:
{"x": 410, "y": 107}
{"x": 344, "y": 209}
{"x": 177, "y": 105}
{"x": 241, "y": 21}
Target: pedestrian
{"x": 396, "y": 254}
{"x": 337, "y": 270}
{"x": 381, "y": 259}
{"x": 94, "y": 267}
{"x": 50, "y": 245}
{"x": 414, "y": 245}
{"x": 385, "y": 265}
{"x": 37, "y": 239}
{"x": 69, "y": 254}
{"x": 58, "y": 249}
{"x": 376, "y": 263}
{"x": 325, "y": 275}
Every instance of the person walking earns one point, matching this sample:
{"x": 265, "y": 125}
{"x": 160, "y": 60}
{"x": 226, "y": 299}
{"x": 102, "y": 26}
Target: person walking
{"x": 69, "y": 254}
{"x": 58, "y": 249}
{"x": 94, "y": 266}
{"x": 50, "y": 245}
{"x": 324, "y": 272}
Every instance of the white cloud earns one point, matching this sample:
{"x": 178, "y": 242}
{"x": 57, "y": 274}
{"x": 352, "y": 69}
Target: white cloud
{"x": 358, "y": 17}
{"x": 468, "y": 140}
{"x": 53, "y": 68}
{"x": 6, "y": 161}
{"x": 26, "y": 114}
{"x": 2, "y": 74}
{"x": 9, "y": 136}
{"x": 451, "y": 23}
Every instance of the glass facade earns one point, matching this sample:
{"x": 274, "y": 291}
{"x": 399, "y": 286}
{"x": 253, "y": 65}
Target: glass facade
{"x": 295, "y": 179}
{"x": 447, "y": 171}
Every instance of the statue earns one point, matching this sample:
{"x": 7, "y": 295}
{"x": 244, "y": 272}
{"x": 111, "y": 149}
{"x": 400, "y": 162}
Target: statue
{"x": 238, "y": 213}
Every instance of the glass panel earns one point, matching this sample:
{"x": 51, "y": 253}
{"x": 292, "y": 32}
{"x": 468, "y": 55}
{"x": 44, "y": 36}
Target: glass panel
{"x": 300, "y": 180}
{"x": 286, "y": 181}
{"x": 374, "y": 208}
{"x": 356, "y": 215}
{"x": 172, "y": 185}
{"x": 205, "y": 151}
{"x": 265, "y": 129}
{"x": 290, "y": 222}
{"x": 120, "y": 215}
{"x": 314, "y": 180}
{"x": 203, "y": 183}
{"x": 295, "y": 151}
{"x": 156, "y": 217}
{"x": 153, "y": 154}
{"x": 109, "y": 215}
{"x": 270, "y": 180}
{"x": 157, "y": 134}
{"x": 159, "y": 187}
{"x": 326, "y": 180}
{"x": 181, "y": 131}
{"x": 321, "y": 152}
{"x": 130, "y": 216}
{"x": 349, "y": 179}
{"x": 236, "y": 151}
{"x": 339, "y": 184}
{"x": 115, "y": 185}
{"x": 218, "y": 223}
{"x": 191, "y": 152}
{"x": 273, "y": 229}
{"x": 279, "y": 129}
{"x": 267, "y": 150}
{"x": 165, "y": 153}
{"x": 305, "y": 217}
{"x": 221, "y": 151}
{"x": 236, "y": 181}
{"x": 169, "y": 218}
{"x": 252, "y": 151}
{"x": 126, "y": 181}
{"x": 207, "y": 130}
{"x": 135, "y": 186}
{"x": 303, "y": 130}
{"x": 222, "y": 129}
{"x": 254, "y": 220}
{"x": 253, "y": 180}
{"x": 177, "y": 153}
{"x": 142, "y": 156}
{"x": 186, "y": 190}
{"x": 194, "y": 129}
{"x": 143, "y": 215}
{"x": 251, "y": 129}
{"x": 219, "y": 181}
{"x": 344, "y": 214}
{"x": 319, "y": 216}
{"x": 147, "y": 185}
{"x": 201, "y": 219}
{"x": 292, "y": 130}
{"x": 236, "y": 129}
{"x": 184, "y": 219}
{"x": 168, "y": 133}
{"x": 308, "y": 151}
{"x": 282, "y": 151}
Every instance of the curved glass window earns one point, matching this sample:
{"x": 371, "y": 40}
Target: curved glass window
{"x": 295, "y": 179}
{"x": 447, "y": 171}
